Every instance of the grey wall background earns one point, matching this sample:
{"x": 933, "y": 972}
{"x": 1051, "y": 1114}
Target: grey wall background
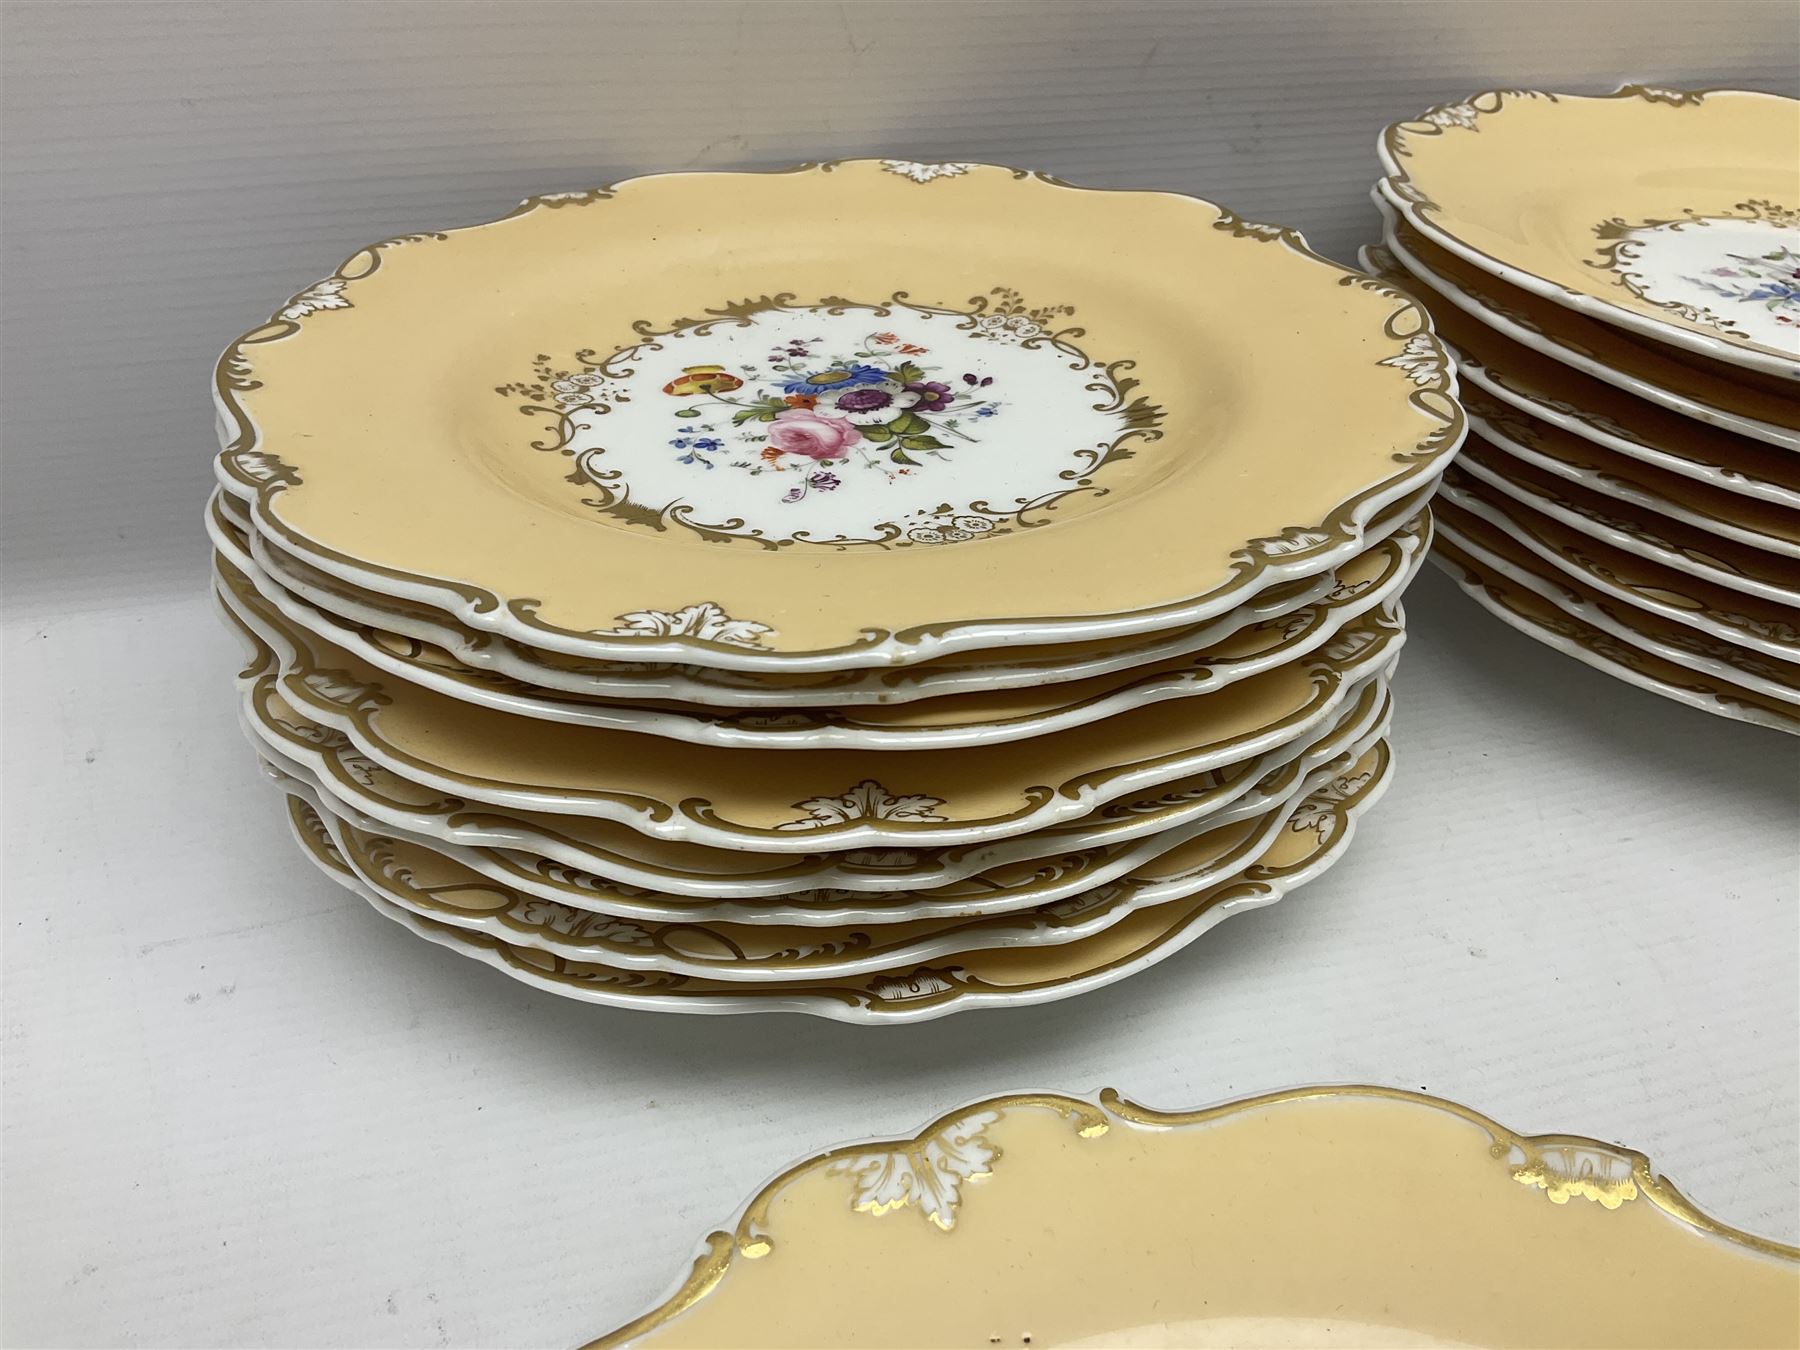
{"x": 172, "y": 170}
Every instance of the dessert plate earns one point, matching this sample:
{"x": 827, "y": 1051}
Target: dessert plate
{"x": 1672, "y": 215}
{"x": 922, "y": 417}
{"x": 1664, "y": 378}
{"x": 1342, "y": 1216}
{"x": 1531, "y": 614}
{"x": 667, "y": 880}
{"x": 1662, "y": 539}
{"x": 1315, "y": 837}
{"x": 610, "y": 868}
{"x": 406, "y": 631}
{"x": 1364, "y": 583}
{"x": 414, "y": 633}
{"x": 1549, "y": 392}
{"x": 1759, "y": 524}
{"x": 1727, "y": 616}
{"x": 1495, "y": 551}
{"x": 1002, "y": 887}
{"x": 809, "y": 801}
{"x": 429, "y": 884}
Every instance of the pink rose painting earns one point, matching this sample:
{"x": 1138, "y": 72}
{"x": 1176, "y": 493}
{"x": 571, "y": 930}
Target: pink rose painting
{"x": 816, "y": 410}
{"x": 801, "y": 431}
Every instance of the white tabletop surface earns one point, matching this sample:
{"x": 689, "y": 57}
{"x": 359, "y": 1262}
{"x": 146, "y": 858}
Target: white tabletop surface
{"x": 242, "y": 1109}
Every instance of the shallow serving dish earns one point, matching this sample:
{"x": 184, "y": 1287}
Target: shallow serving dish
{"x": 1324, "y": 1216}
{"x": 927, "y": 413}
{"x": 1673, "y": 215}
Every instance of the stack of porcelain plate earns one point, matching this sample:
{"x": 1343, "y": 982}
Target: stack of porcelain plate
{"x": 873, "y": 590}
{"x": 1619, "y": 280}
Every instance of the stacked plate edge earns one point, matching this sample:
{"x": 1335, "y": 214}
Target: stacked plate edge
{"x": 874, "y": 590}
{"x": 1618, "y": 278}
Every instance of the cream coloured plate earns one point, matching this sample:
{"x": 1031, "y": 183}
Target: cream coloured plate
{"x": 1041, "y": 875}
{"x": 610, "y": 868}
{"x": 922, "y": 417}
{"x": 410, "y": 632}
{"x": 1361, "y": 585}
{"x": 1552, "y": 393}
{"x": 1672, "y": 215}
{"x": 1315, "y": 837}
{"x": 1760, "y": 525}
{"x": 1762, "y": 626}
{"x": 1667, "y": 379}
{"x": 1777, "y": 682}
{"x": 1325, "y": 1216}
{"x": 1664, "y": 539}
{"x": 429, "y": 884}
{"x": 808, "y": 801}
{"x": 1548, "y": 622}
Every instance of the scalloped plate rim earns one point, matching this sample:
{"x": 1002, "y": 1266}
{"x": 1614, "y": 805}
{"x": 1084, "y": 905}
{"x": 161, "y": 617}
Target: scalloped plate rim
{"x": 1594, "y": 306}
